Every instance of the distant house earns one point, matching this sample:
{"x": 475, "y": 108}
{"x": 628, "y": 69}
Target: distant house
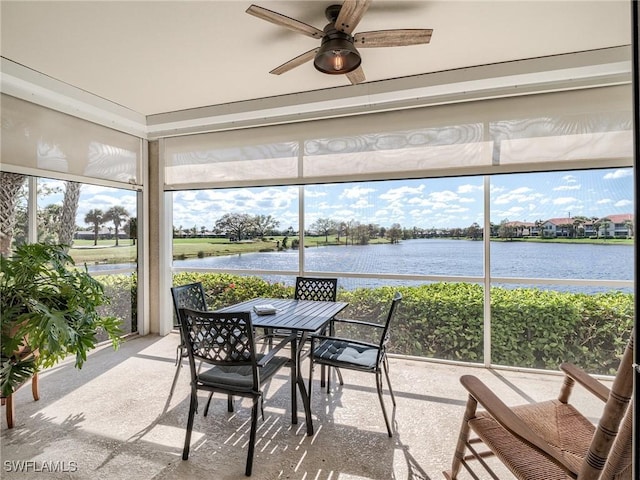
{"x": 523, "y": 229}
{"x": 617, "y": 226}
{"x": 558, "y": 227}
{"x": 620, "y": 226}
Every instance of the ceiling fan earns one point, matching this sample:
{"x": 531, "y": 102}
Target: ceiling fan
{"x": 337, "y": 53}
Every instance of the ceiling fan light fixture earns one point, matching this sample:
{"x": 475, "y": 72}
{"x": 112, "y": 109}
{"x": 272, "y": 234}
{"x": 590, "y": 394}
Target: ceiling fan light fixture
{"x": 337, "y": 54}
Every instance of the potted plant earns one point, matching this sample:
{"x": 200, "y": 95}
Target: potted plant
{"x": 50, "y": 307}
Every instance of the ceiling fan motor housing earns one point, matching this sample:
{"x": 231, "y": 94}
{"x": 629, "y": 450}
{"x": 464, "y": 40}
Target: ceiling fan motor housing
{"x": 337, "y": 55}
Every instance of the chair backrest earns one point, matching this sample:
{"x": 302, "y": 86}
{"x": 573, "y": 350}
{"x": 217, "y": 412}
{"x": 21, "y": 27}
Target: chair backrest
{"x": 619, "y": 462}
{"x": 384, "y": 338}
{"x": 190, "y": 296}
{"x": 318, "y": 289}
{"x": 224, "y": 339}
{"x": 606, "y": 435}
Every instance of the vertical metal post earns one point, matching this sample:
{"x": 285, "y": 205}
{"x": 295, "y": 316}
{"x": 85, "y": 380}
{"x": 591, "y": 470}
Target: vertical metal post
{"x": 635, "y": 73}
{"x": 487, "y": 273}
{"x": 32, "y": 209}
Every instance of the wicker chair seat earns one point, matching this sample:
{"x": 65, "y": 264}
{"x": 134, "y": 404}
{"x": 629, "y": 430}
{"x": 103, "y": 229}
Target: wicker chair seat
{"x": 569, "y": 431}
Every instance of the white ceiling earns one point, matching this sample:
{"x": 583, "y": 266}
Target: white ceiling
{"x": 155, "y": 57}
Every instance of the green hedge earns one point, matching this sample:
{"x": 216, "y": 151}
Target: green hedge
{"x": 529, "y": 328}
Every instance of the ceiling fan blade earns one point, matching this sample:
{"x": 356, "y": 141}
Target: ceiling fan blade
{"x": 284, "y": 21}
{"x": 392, "y": 38}
{"x": 295, "y": 62}
{"x": 357, "y": 76}
{"x": 350, "y": 15}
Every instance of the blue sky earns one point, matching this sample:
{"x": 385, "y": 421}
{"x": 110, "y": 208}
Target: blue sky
{"x": 432, "y": 203}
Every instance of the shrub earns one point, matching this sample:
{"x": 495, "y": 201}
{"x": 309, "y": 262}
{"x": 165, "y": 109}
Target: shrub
{"x": 529, "y": 327}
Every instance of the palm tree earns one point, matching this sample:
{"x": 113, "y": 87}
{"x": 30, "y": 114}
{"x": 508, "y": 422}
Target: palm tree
{"x": 95, "y": 217}
{"x": 578, "y": 225}
{"x": 10, "y": 184}
{"x": 606, "y": 223}
{"x": 596, "y": 225}
{"x": 118, "y": 215}
{"x": 67, "y": 225}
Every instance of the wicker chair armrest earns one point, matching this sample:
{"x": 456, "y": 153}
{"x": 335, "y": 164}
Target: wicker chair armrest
{"x": 357, "y": 322}
{"x": 510, "y": 421}
{"x": 272, "y": 353}
{"x": 587, "y": 381}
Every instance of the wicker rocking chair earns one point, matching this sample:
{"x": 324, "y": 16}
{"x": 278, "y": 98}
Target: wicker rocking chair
{"x": 552, "y": 440}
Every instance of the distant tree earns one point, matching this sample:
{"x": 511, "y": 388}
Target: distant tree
{"x": 361, "y": 236}
{"x": 605, "y": 223}
{"x": 341, "y": 229}
{"x": 117, "y": 215}
{"x": 374, "y": 230}
{"x": 630, "y": 229}
{"x": 48, "y": 222}
{"x": 596, "y": 225}
{"x": 473, "y": 231}
{"x": 234, "y": 225}
{"x": 262, "y": 224}
{"x": 578, "y": 226}
{"x": 506, "y": 230}
{"x": 325, "y": 226}
{"x": 350, "y": 231}
{"x": 131, "y": 228}
{"x": 394, "y": 234}
{"x": 95, "y": 217}
{"x": 539, "y": 224}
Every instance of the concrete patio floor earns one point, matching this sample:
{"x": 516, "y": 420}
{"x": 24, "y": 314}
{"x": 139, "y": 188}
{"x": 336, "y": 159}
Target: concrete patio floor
{"x": 113, "y": 419}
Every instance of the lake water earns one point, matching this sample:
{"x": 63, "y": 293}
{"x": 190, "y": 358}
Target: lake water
{"x": 442, "y": 257}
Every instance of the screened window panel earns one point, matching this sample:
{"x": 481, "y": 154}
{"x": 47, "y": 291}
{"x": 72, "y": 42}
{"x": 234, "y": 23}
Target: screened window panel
{"x": 40, "y": 138}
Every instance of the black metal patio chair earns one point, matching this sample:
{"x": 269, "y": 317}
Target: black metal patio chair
{"x": 225, "y": 341}
{"x": 190, "y": 296}
{"x": 354, "y": 354}
{"x": 308, "y": 288}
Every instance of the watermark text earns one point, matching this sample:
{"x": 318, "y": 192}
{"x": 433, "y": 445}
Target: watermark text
{"x": 24, "y": 466}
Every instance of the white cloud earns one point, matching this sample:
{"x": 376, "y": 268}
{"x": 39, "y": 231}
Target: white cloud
{"x": 362, "y": 203}
{"x": 564, "y": 200}
{"x": 468, "y": 188}
{"x": 623, "y": 203}
{"x": 620, "y": 173}
{"x": 566, "y": 187}
{"x": 356, "y": 192}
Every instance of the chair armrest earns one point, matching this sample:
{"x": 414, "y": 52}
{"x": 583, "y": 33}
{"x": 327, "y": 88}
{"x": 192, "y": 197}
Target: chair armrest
{"x": 272, "y": 353}
{"x": 587, "y": 381}
{"x": 348, "y": 340}
{"x": 510, "y": 421}
{"x": 357, "y": 322}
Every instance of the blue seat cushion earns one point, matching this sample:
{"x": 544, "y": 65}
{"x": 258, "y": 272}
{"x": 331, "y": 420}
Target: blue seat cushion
{"x": 337, "y": 352}
{"x": 240, "y": 378}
